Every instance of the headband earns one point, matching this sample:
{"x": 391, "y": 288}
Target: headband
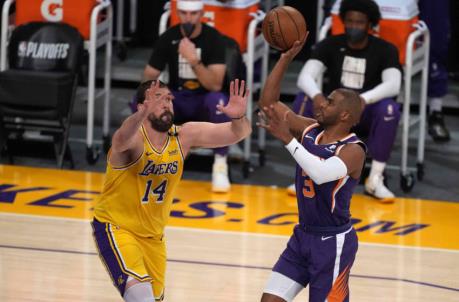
{"x": 192, "y": 5}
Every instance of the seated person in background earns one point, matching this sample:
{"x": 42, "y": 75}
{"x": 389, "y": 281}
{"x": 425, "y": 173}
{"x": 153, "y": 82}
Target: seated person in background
{"x": 359, "y": 61}
{"x": 195, "y": 55}
{"x": 436, "y": 16}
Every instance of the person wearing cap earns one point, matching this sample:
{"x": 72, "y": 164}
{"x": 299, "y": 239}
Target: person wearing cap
{"x": 364, "y": 63}
{"x": 195, "y": 56}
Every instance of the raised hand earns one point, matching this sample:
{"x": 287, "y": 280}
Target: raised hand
{"x": 237, "y": 104}
{"x": 275, "y": 122}
{"x": 188, "y": 50}
{"x": 150, "y": 97}
{"x": 295, "y": 49}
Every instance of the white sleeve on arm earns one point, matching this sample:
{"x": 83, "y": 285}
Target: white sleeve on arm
{"x": 320, "y": 171}
{"x": 390, "y": 86}
{"x": 307, "y": 80}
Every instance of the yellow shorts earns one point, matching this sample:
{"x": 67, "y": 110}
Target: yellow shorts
{"x": 125, "y": 254}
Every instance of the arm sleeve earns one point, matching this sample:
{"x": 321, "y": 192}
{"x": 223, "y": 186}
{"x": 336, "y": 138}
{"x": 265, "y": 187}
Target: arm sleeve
{"x": 389, "y": 87}
{"x": 320, "y": 171}
{"x": 307, "y": 80}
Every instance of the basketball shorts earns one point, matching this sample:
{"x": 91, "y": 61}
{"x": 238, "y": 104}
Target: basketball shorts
{"x": 125, "y": 254}
{"x": 321, "y": 261}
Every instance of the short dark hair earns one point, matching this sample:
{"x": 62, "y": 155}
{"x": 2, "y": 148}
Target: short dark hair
{"x": 352, "y": 103}
{"x": 142, "y": 88}
{"x": 368, "y": 7}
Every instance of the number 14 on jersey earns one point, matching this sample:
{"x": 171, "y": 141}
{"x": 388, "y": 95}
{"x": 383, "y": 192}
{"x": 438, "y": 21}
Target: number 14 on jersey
{"x": 158, "y": 191}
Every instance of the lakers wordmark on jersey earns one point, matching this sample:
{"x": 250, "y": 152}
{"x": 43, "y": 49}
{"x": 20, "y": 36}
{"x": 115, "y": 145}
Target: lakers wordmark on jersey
{"x": 138, "y": 197}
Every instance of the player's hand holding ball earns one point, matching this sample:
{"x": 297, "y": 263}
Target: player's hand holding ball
{"x": 284, "y": 28}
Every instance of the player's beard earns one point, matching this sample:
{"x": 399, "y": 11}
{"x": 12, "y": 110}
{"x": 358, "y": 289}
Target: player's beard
{"x": 318, "y": 115}
{"x": 162, "y": 123}
{"x": 325, "y": 121}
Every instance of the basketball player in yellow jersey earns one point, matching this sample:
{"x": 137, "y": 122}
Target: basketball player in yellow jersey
{"x": 144, "y": 167}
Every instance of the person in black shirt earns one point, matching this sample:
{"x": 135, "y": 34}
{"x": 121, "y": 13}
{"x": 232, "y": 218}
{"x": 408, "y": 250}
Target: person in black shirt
{"x": 195, "y": 55}
{"x": 364, "y": 63}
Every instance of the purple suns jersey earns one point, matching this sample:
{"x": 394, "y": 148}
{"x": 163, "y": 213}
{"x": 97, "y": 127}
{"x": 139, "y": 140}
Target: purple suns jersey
{"x": 325, "y": 205}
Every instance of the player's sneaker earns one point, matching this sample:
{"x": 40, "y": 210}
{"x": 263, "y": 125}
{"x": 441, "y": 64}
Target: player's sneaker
{"x": 374, "y": 186}
{"x": 220, "y": 180}
{"x": 291, "y": 190}
{"x": 437, "y": 128}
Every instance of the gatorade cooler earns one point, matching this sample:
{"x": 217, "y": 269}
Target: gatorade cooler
{"x": 73, "y": 12}
{"x": 231, "y": 18}
{"x": 396, "y": 24}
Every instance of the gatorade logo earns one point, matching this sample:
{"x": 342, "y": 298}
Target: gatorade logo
{"x": 52, "y": 11}
{"x": 50, "y": 51}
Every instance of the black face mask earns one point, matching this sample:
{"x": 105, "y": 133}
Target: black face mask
{"x": 355, "y": 35}
{"x": 188, "y": 28}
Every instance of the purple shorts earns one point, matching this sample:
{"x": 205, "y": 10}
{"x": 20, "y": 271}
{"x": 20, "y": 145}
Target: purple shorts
{"x": 322, "y": 261}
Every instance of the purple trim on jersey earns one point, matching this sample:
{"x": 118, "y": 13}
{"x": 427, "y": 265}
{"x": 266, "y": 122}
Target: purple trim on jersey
{"x": 108, "y": 257}
{"x": 326, "y": 205}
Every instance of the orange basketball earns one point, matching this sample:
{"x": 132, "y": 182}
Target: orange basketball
{"x": 282, "y": 26}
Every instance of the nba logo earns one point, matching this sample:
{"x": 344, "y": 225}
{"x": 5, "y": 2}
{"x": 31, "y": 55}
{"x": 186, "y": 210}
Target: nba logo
{"x": 390, "y": 109}
{"x": 22, "y": 48}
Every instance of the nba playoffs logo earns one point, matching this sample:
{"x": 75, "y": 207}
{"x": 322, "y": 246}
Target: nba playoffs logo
{"x": 51, "y": 10}
{"x": 40, "y": 50}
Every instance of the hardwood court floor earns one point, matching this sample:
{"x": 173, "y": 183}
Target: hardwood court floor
{"x": 220, "y": 247}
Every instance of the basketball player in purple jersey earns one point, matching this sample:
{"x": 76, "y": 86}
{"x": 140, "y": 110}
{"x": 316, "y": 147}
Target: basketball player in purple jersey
{"x": 329, "y": 159}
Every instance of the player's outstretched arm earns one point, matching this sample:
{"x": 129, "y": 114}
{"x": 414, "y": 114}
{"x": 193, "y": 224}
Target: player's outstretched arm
{"x": 348, "y": 162}
{"x": 271, "y": 90}
{"x": 210, "y": 135}
{"x": 127, "y": 142}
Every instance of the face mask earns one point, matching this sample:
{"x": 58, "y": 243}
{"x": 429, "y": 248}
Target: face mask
{"x": 355, "y": 35}
{"x": 188, "y": 28}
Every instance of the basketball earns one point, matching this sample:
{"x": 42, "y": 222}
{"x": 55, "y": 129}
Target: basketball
{"x": 282, "y": 26}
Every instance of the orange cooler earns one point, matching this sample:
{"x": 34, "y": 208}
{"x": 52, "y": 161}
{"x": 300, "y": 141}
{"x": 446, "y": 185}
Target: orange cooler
{"x": 231, "y": 18}
{"x": 396, "y": 24}
{"x": 74, "y": 12}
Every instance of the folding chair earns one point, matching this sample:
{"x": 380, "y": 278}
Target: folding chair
{"x": 93, "y": 19}
{"x": 37, "y": 92}
{"x": 119, "y": 38}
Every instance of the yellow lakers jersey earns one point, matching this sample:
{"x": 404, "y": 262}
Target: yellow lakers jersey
{"x": 138, "y": 197}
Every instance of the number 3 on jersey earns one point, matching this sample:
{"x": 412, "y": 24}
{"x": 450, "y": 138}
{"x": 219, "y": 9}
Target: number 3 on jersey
{"x": 308, "y": 186}
{"x": 158, "y": 191}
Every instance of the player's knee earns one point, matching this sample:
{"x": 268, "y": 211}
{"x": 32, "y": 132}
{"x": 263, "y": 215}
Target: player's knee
{"x": 271, "y": 298}
{"x": 388, "y": 111}
{"x": 137, "y": 291}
